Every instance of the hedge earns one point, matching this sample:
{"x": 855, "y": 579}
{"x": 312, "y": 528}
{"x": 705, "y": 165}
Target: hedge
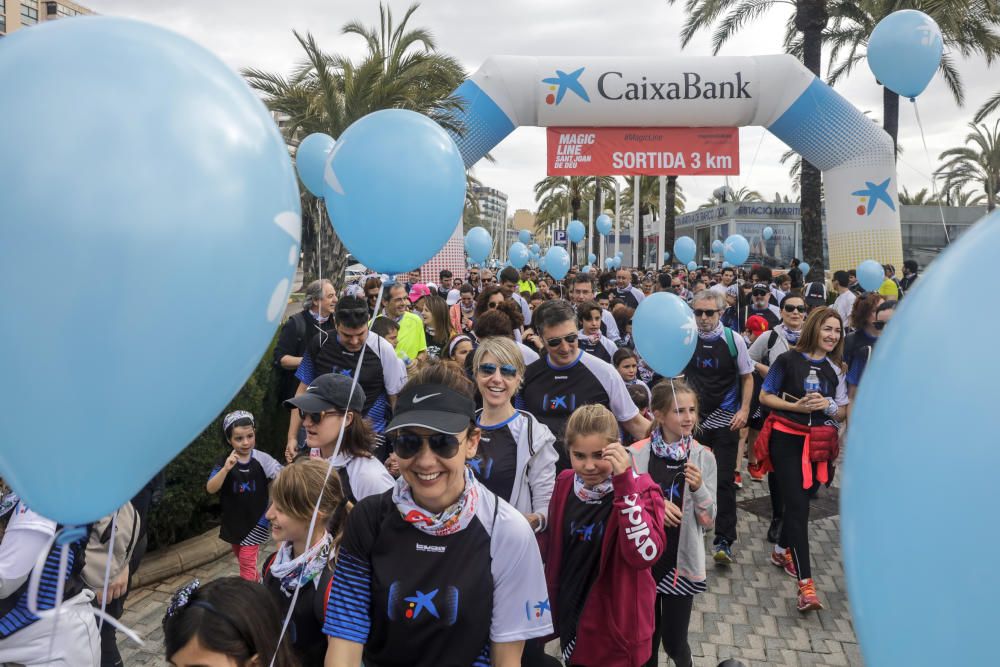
{"x": 186, "y": 508}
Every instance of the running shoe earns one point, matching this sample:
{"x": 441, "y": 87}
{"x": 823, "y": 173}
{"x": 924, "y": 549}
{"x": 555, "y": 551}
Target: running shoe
{"x": 738, "y": 480}
{"x": 724, "y": 553}
{"x": 756, "y": 474}
{"x": 785, "y": 562}
{"x": 808, "y": 600}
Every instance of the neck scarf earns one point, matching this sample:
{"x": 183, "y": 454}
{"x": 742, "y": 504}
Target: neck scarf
{"x": 594, "y": 495}
{"x": 711, "y": 335}
{"x": 316, "y": 316}
{"x": 305, "y": 568}
{"x": 453, "y": 519}
{"x": 791, "y": 336}
{"x": 7, "y": 502}
{"x": 676, "y": 451}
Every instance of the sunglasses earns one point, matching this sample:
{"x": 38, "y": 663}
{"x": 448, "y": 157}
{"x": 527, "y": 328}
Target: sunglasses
{"x": 879, "y": 325}
{"x": 408, "y": 445}
{"x": 506, "y": 370}
{"x": 493, "y": 305}
{"x": 758, "y": 292}
{"x": 317, "y": 417}
{"x": 708, "y": 312}
{"x": 792, "y": 309}
{"x": 555, "y": 342}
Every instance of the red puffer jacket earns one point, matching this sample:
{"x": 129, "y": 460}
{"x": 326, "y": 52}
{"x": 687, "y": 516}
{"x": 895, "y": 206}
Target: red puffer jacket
{"x": 822, "y": 447}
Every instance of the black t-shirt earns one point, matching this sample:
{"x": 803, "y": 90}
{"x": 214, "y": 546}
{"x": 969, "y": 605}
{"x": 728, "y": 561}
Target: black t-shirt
{"x": 595, "y": 348}
{"x": 669, "y": 475}
{"x": 306, "y": 627}
{"x": 713, "y": 374}
{"x": 627, "y": 297}
{"x": 495, "y": 463}
{"x": 768, "y": 314}
{"x": 788, "y": 374}
{"x": 243, "y": 496}
{"x": 293, "y": 339}
{"x": 583, "y": 536}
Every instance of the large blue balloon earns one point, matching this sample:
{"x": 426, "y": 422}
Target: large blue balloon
{"x": 904, "y": 51}
{"x": 557, "y": 262}
{"x": 609, "y": 263}
{"x": 603, "y": 224}
{"x": 666, "y": 255}
{"x": 478, "y": 244}
{"x": 767, "y": 233}
{"x": 518, "y": 254}
{"x": 535, "y": 249}
{"x": 618, "y": 262}
{"x": 310, "y": 160}
{"x": 385, "y": 158}
{"x": 955, "y": 622}
{"x": 871, "y": 275}
{"x": 736, "y": 249}
{"x": 804, "y": 268}
{"x": 684, "y": 249}
{"x": 717, "y": 246}
{"x": 585, "y": 268}
{"x": 692, "y": 265}
{"x": 524, "y": 236}
{"x": 166, "y": 210}
{"x": 591, "y": 257}
{"x": 665, "y": 333}
{"x": 575, "y": 231}
{"x": 620, "y": 253}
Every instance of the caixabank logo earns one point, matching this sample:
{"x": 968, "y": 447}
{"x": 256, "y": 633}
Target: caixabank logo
{"x": 871, "y": 195}
{"x": 616, "y": 86}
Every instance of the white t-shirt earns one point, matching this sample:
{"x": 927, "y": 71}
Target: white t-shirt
{"x": 367, "y": 475}
{"x": 844, "y": 305}
{"x": 529, "y": 354}
{"x": 26, "y": 536}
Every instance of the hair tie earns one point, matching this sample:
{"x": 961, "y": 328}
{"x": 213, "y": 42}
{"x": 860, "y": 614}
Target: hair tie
{"x": 180, "y": 599}
{"x": 455, "y": 341}
{"x": 236, "y": 415}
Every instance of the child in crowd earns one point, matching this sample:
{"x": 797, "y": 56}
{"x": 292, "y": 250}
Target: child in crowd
{"x": 605, "y": 533}
{"x": 686, "y": 473}
{"x": 386, "y": 328}
{"x": 227, "y": 622}
{"x": 304, "y": 561}
{"x": 626, "y": 362}
{"x": 243, "y": 477}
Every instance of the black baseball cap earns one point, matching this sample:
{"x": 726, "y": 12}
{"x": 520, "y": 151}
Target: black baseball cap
{"x": 331, "y": 390}
{"x": 761, "y": 287}
{"x": 433, "y": 406}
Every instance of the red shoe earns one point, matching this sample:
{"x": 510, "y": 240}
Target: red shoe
{"x": 808, "y": 600}
{"x": 785, "y": 562}
{"x": 738, "y": 480}
{"x": 756, "y": 474}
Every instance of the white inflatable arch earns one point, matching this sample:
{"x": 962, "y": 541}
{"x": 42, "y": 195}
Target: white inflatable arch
{"x": 776, "y": 92}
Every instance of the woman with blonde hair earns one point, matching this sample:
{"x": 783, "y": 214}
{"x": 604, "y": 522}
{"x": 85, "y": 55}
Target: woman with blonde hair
{"x": 304, "y": 559}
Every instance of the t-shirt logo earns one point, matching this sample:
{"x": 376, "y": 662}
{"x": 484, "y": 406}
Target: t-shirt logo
{"x": 421, "y": 604}
{"x": 585, "y": 532}
{"x": 564, "y": 402}
{"x": 539, "y": 609}
{"x": 707, "y": 362}
{"x": 422, "y": 601}
{"x": 483, "y": 467}
{"x": 249, "y": 486}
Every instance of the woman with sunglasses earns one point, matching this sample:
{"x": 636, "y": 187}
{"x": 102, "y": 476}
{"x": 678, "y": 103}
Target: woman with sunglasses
{"x": 438, "y": 570}
{"x": 516, "y": 457}
{"x": 328, "y": 407}
{"x": 859, "y": 346}
{"x": 489, "y": 299}
{"x": 806, "y": 392}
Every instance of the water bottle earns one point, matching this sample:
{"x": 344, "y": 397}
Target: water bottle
{"x": 812, "y": 382}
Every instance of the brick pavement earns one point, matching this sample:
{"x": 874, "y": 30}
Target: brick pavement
{"x": 748, "y": 612}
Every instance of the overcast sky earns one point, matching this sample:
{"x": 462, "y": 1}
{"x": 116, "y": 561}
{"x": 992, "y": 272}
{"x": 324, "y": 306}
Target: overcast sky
{"x": 258, "y": 33}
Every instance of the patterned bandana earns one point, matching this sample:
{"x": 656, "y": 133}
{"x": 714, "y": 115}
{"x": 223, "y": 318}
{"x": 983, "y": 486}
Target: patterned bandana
{"x": 675, "y": 451}
{"x": 299, "y": 571}
{"x": 711, "y": 335}
{"x": 791, "y": 336}
{"x": 593, "y": 495}
{"x": 228, "y": 420}
{"x": 451, "y": 520}
{"x": 8, "y": 502}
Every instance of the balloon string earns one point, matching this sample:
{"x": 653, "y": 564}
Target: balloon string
{"x": 927, "y": 154}
{"x": 329, "y": 470}
{"x": 107, "y": 569}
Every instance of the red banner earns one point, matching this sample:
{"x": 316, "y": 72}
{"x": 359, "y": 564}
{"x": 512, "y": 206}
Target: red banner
{"x": 646, "y": 151}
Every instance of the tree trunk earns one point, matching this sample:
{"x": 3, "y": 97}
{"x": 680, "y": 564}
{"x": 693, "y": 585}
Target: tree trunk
{"x": 323, "y": 254}
{"x": 810, "y": 19}
{"x": 669, "y": 227}
{"x": 890, "y": 117}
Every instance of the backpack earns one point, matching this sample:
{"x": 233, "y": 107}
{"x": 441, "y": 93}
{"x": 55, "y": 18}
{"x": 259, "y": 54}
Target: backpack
{"x": 730, "y": 343}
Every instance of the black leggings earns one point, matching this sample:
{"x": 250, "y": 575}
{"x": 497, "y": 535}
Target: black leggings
{"x": 673, "y": 614}
{"x": 786, "y": 457}
{"x": 777, "y": 502}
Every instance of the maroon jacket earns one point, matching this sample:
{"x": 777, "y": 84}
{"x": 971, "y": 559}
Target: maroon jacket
{"x": 616, "y": 626}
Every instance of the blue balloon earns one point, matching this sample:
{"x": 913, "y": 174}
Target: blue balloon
{"x": 666, "y": 255}
{"x": 575, "y": 231}
{"x": 478, "y": 244}
{"x": 619, "y": 254}
{"x": 609, "y": 263}
{"x": 310, "y": 160}
{"x": 168, "y": 207}
{"x": 717, "y": 246}
{"x": 591, "y": 258}
{"x": 736, "y": 249}
{"x": 692, "y": 265}
{"x": 618, "y": 262}
{"x": 904, "y": 51}
{"x": 518, "y": 255}
{"x": 726, "y": 265}
{"x": 956, "y": 622}
{"x": 535, "y": 249}
{"x": 585, "y": 268}
{"x": 665, "y": 333}
{"x": 524, "y": 236}
{"x": 382, "y": 159}
{"x": 603, "y": 224}
{"x": 557, "y": 262}
{"x": 767, "y": 233}
{"x": 684, "y": 249}
{"x": 871, "y": 275}
{"x": 804, "y": 268}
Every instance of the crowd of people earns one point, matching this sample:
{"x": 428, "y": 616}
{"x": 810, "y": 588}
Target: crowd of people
{"x": 484, "y": 470}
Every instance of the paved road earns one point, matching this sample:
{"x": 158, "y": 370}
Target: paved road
{"x": 749, "y": 612}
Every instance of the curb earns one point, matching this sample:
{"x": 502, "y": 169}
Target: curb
{"x": 179, "y": 558}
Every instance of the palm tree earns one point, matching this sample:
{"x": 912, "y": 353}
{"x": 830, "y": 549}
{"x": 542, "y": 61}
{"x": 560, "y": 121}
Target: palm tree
{"x": 326, "y": 93}
{"x": 959, "y": 197}
{"x": 810, "y": 19}
{"x": 727, "y": 194}
{"x": 977, "y": 164}
{"x": 966, "y": 28}
{"x": 921, "y": 198}
{"x": 649, "y": 204}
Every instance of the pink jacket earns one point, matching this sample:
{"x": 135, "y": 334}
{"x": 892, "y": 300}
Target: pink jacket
{"x": 616, "y": 626}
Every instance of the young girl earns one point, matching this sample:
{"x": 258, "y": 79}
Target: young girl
{"x": 458, "y": 349}
{"x": 685, "y": 472}
{"x": 227, "y": 622}
{"x": 243, "y": 477}
{"x": 805, "y": 389}
{"x": 304, "y": 562}
{"x": 605, "y": 534}
{"x": 626, "y": 362}
{"x": 592, "y": 341}
{"x": 437, "y": 326}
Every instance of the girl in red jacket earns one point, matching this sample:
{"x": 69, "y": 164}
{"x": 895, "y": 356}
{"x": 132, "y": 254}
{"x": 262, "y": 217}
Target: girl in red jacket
{"x": 605, "y": 533}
